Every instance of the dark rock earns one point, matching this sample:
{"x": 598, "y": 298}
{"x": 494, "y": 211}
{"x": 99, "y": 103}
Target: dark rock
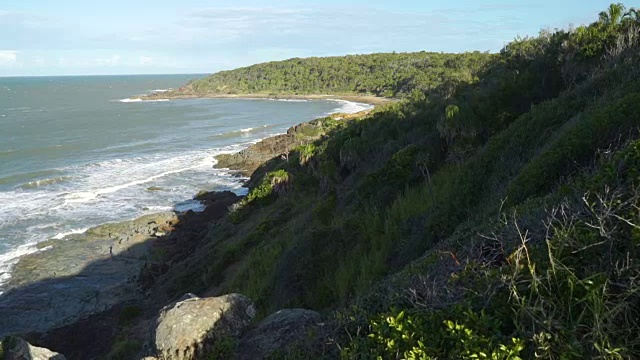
{"x": 280, "y": 332}
{"x": 209, "y": 197}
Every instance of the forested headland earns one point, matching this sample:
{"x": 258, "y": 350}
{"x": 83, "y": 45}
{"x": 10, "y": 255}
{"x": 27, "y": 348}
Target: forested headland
{"x": 384, "y": 74}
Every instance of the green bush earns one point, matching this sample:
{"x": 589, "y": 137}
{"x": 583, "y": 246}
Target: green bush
{"x": 306, "y": 153}
{"x": 578, "y": 145}
{"x": 128, "y": 314}
{"x": 325, "y": 209}
{"x": 125, "y": 350}
{"x": 222, "y": 349}
{"x": 422, "y": 335}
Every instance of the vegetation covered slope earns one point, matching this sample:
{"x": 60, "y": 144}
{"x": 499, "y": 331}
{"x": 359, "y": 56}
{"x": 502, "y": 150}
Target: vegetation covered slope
{"x": 388, "y": 75}
{"x": 495, "y": 219}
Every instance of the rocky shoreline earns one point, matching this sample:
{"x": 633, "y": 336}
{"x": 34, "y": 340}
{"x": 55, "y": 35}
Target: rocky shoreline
{"x": 80, "y": 275}
{"x": 81, "y": 283}
{"x": 246, "y": 161}
{"x": 91, "y": 272}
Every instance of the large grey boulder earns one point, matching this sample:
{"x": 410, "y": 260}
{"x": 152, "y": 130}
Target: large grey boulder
{"x": 17, "y": 349}
{"x": 189, "y": 328}
{"x": 281, "y": 332}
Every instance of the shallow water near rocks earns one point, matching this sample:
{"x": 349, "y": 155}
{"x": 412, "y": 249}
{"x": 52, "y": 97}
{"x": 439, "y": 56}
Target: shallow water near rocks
{"x": 76, "y": 152}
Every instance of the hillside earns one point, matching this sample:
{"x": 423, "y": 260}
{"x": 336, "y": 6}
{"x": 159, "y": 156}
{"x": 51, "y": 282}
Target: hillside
{"x": 494, "y": 213}
{"x": 388, "y": 75}
{"x": 506, "y": 209}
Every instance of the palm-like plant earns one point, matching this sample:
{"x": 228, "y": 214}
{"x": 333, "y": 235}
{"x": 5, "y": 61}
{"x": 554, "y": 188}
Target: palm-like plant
{"x": 633, "y": 15}
{"x": 613, "y": 15}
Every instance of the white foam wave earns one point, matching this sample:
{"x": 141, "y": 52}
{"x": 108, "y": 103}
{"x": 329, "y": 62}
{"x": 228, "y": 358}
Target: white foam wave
{"x": 45, "y": 182}
{"x": 130, "y": 100}
{"x": 161, "y": 90}
{"x": 85, "y": 196}
{"x": 109, "y": 191}
{"x": 9, "y": 259}
{"x": 350, "y": 107}
{"x": 144, "y": 169}
{"x": 62, "y": 235}
{"x": 291, "y": 100}
{"x": 91, "y": 198}
{"x": 156, "y": 209}
{"x": 137, "y": 100}
{"x": 193, "y": 205}
{"x": 234, "y": 133}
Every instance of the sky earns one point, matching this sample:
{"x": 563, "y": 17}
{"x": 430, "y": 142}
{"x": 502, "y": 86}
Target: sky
{"x": 79, "y": 37}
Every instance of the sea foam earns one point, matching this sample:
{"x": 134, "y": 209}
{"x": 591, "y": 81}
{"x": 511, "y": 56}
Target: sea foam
{"x": 106, "y": 191}
{"x": 350, "y": 107}
{"x": 137, "y": 100}
{"x": 64, "y": 201}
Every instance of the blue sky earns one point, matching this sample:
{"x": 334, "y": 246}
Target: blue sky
{"x": 73, "y": 37}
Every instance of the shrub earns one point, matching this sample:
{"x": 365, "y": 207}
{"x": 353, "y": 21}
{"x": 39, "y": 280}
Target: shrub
{"x": 128, "y": 314}
{"x": 306, "y": 153}
{"x": 125, "y": 350}
{"x": 324, "y": 211}
{"x": 423, "y": 335}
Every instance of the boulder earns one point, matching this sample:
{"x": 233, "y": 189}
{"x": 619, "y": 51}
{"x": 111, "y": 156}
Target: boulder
{"x": 217, "y": 203}
{"x": 189, "y": 328}
{"x": 17, "y": 349}
{"x": 281, "y": 332}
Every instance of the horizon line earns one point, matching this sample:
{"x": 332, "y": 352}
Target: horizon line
{"x": 88, "y": 75}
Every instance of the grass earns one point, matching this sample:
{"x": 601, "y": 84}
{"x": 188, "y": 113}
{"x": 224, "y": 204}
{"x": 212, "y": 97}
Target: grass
{"x": 565, "y": 288}
{"x": 128, "y": 314}
{"x": 125, "y": 349}
{"x": 489, "y": 214}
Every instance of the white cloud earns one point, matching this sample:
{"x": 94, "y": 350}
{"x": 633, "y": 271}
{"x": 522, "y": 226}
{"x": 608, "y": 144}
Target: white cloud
{"x": 38, "y": 60}
{"x": 145, "y": 60}
{"x": 8, "y": 57}
{"x": 113, "y": 60}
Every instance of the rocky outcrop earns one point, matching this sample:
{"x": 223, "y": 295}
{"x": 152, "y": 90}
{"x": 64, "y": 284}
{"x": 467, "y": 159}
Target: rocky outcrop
{"x": 17, "y": 349}
{"x": 249, "y": 159}
{"x": 89, "y": 273}
{"x": 70, "y": 256}
{"x": 80, "y": 275}
{"x": 280, "y": 332}
{"x": 189, "y": 328}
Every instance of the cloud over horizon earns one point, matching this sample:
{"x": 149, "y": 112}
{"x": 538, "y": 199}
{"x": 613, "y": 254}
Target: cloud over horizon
{"x": 209, "y": 38}
{"x": 8, "y": 57}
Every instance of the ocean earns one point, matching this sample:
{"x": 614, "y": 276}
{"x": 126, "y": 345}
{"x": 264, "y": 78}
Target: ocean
{"x": 76, "y": 152}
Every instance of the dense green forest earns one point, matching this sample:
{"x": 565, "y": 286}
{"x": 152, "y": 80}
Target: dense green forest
{"x": 389, "y": 75}
{"x": 494, "y": 213}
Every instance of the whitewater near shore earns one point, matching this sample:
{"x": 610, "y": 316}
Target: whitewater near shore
{"x": 84, "y": 161}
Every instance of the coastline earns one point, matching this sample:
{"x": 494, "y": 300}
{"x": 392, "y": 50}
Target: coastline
{"x": 14, "y": 256}
{"x": 63, "y": 280}
{"x": 366, "y": 99}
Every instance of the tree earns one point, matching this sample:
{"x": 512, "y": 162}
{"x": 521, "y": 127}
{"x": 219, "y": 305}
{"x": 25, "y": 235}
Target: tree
{"x": 633, "y": 16}
{"x": 613, "y": 15}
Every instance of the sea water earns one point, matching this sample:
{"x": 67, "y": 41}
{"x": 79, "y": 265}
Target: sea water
{"x": 76, "y": 152}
